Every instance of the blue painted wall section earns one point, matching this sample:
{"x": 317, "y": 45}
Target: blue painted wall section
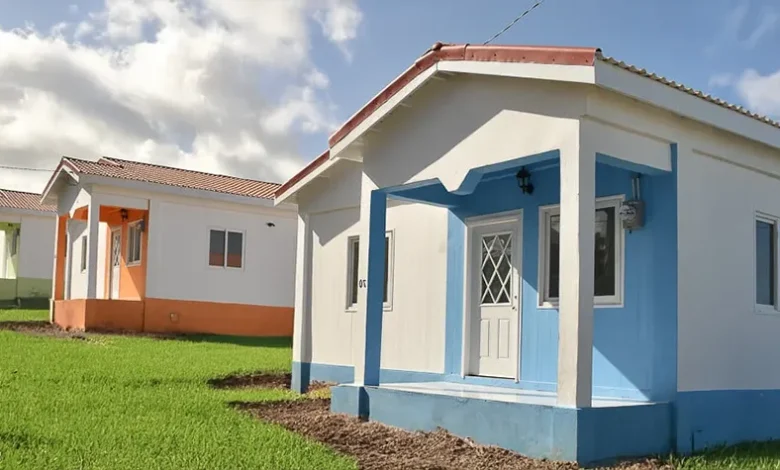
{"x": 583, "y": 435}
{"x": 635, "y": 345}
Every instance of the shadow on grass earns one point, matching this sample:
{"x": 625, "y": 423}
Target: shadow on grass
{"x": 252, "y": 341}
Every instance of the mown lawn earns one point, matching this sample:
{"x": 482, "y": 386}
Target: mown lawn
{"x": 113, "y": 402}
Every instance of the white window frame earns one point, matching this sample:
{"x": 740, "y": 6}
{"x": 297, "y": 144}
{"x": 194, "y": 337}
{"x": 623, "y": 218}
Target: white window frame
{"x": 224, "y": 262}
{"x": 134, "y": 226}
{"x": 84, "y": 249}
{"x": 613, "y": 301}
{"x": 387, "y": 306}
{"x": 775, "y": 222}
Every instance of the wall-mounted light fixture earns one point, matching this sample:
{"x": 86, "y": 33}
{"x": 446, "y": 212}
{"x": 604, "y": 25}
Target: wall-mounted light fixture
{"x": 524, "y": 181}
{"x": 270, "y": 224}
{"x": 123, "y": 214}
{"x": 632, "y": 212}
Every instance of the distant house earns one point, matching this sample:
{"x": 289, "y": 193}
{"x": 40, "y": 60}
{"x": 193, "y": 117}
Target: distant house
{"x": 151, "y": 248}
{"x": 26, "y": 247}
{"x": 545, "y": 249}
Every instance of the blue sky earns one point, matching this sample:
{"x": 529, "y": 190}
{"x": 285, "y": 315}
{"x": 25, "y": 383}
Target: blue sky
{"x": 712, "y": 45}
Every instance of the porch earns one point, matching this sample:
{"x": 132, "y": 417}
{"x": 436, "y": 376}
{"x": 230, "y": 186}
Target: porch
{"x": 100, "y": 264}
{"x": 552, "y": 348}
{"x": 524, "y": 421}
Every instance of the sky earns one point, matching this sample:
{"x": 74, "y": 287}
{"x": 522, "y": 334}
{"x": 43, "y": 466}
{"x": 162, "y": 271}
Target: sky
{"x": 253, "y": 88}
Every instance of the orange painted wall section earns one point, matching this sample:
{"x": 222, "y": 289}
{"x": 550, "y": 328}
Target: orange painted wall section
{"x": 59, "y": 260}
{"x": 173, "y": 316}
{"x": 182, "y": 316}
{"x": 70, "y": 314}
{"x": 114, "y": 315}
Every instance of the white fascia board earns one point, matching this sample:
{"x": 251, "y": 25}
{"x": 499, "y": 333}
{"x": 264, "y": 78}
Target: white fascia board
{"x": 555, "y": 72}
{"x": 282, "y": 198}
{"x": 146, "y": 187}
{"x": 16, "y": 213}
{"x": 684, "y": 104}
{"x": 53, "y": 181}
{"x": 382, "y": 111}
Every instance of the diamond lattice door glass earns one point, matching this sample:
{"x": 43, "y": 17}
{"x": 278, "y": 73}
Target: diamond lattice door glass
{"x": 496, "y": 269}
{"x": 116, "y": 256}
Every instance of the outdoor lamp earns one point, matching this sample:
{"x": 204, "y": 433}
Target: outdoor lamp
{"x": 524, "y": 181}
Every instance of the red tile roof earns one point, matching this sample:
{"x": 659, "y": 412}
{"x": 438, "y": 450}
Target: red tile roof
{"x": 24, "y": 201}
{"x": 498, "y": 53}
{"x": 149, "y": 173}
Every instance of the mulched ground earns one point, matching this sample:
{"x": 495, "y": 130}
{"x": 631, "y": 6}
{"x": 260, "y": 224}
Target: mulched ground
{"x": 380, "y": 447}
{"x": 276, "y": 381}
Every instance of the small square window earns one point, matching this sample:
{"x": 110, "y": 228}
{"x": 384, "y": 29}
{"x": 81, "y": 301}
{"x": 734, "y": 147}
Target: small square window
{"x": 766, "y": 263}
{"x": 15, "y": 242}
{"x": 226, "y": 249}
{"x": 134, "y": 240}
{"x": 608, "y": 254}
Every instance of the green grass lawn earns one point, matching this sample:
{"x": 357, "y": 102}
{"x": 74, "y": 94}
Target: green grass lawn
{"x": 18, "y": 314}
{"x": 115, "y": 402}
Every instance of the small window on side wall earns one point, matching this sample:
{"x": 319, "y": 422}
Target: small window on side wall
{"x": 766, "y": 263}
{"x": 84, "y": 246}
{"x": 15, "y": 242}
{"x": 353, "y": 258}
{"x": 226, "y": 248}
{"x": 608, "y": 251}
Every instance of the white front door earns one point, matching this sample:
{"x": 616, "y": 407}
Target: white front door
{"x": 116, "y": 256}
{"x": 494, "y": 293}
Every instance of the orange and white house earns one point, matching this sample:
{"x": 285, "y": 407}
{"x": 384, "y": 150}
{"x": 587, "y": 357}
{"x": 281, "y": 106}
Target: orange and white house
{"x": 144, "y": 247}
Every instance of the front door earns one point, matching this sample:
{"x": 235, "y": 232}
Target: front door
{"x": 116, "y": 254}
{"x": 494, "y": 296}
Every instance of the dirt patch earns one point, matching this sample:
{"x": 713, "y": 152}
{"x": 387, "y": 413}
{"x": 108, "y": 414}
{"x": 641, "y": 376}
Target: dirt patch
{"x": 44, "y": 328}
{"x": 380, "y": 447}
{"x": 41, "y": 328}
{"x": 262, "y": 380}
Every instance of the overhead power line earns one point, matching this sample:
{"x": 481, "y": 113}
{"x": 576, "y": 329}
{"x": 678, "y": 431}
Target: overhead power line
{"x": 509, "y": 26}
{"x": 24, "y": 168}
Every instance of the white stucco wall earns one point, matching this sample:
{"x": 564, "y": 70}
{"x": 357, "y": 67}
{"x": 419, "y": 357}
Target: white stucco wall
{"x": 36, "y": 249}
{"x": 77, "y": 280}
{"x": 724, "y": 342}
{"x": 178, "y": 253}
{"x": 413, "y": 333}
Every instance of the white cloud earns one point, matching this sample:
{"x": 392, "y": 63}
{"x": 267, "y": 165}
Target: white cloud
{"x": 73, "y": 8}
{"x": 770, "y": 19}
{"x": 742, "y": 29}
{"x": 172, "y": 82}
{"x": 720, "y": 80}
{"x": 761, "y": 93}
{"x": 340, "y": 21}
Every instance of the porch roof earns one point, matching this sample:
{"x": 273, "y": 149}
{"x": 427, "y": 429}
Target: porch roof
{"x": 439, "y": 54}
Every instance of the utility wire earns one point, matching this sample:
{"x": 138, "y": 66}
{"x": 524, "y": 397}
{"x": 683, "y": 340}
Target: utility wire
{"x": 509, "y": 26}
{"x": 23, "y": 168}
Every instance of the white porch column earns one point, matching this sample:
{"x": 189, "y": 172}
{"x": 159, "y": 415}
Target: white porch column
{"x": 371, "y": 266}
{"x": 577, "y": 245}
{"x": 93, "y": 232}
{"x": 302, "y": 323}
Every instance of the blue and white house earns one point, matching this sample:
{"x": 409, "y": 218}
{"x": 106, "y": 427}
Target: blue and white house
{"x": 548, "y": 250}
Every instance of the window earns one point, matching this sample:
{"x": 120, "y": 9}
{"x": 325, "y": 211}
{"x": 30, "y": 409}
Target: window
{"x": 766, "y": 263}
{"x": 134, "y": 243}
{"x": 353, "y": 258}
{"x": 226, "y": 249}
{"x": 608, "y": 261}
{"x": 84, "y": 253}
{"x": 15, "y": 242}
